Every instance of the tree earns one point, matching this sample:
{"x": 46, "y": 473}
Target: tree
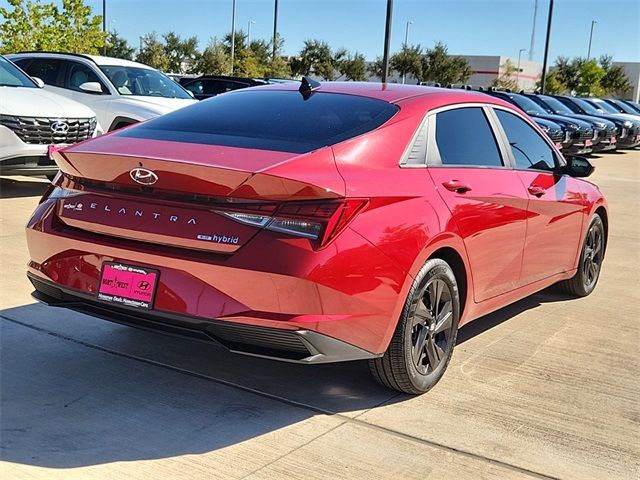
{"x": 34, "y": 25}
{"x": 408, "y": 61}
{"x": 615, "y": 81}
{"x": 278, "y": 66}
{"x": 314, "y": 58}
{"x": 153, "y": 52}
{"x": 352, "y": 66}
{"x": 552, "y": 84}
{"x": 118, "y": 47}
{"x": 376, "y": 68}
{"x": 438, "y": 66}
{"x": 590, "y": 74}
{"x": 181, "y": 54}
{"x": 214, "y": 60}
{"x": 505, "y": 80}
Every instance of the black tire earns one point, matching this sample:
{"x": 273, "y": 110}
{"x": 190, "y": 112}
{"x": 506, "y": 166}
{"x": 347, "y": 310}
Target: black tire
{"x": 420, "y": 340}
{"x": 589, "y": 266}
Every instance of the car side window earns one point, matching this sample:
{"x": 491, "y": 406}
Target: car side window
{"x": 48, "y": 70}
{"x": 529, "y": 149}
{"x": 78, "y": 73}
{"x": 464, "y": 137}
{"x": 195, "y": 87}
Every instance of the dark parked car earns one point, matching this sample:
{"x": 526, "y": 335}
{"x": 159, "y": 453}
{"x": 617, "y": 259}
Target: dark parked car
{"x": 622, "y": 106}
{"x": 580, "y": 134}
{"x": 634, "y": 105}
{"x": 606, "y": 131}
{"x": 554, "y": 131}
{"x": 208, "y": 86}
{"x": 629, "y": 130}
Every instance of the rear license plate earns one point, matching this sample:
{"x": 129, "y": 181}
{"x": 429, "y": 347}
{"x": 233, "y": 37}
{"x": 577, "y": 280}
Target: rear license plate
{"x": 128, "y": 285}
{"x": 613, "y": 140}
{"x": 588, "y": 143}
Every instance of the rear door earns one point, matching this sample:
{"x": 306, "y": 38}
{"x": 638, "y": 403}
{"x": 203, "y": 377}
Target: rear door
{"x": 78, "y": 73}
{"x": 556, "y": 204}
{"x": 50, "y": 70}
{"x": 487, "y": 201}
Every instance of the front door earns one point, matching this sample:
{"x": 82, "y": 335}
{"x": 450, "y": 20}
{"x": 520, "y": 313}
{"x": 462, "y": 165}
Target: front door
{"x": 484, "y": 194}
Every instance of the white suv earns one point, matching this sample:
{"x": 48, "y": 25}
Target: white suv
{"x": 32, "y": 119}
{"x": 119, "y": 91}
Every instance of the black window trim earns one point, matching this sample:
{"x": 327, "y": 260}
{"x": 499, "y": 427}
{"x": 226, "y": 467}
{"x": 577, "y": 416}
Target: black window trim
{"x": 558, "y": 158}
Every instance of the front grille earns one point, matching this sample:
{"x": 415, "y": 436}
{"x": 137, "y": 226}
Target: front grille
{"x": 612, "y": 132}
{"x": 49, "y": 131}
{"x": 585, "y": 133}
{"x": 555, "y": 135}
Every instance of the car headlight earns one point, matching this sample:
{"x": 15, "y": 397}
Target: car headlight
{"x": 572, "y": 126}
{"x": 627, "y": 124}
{"x": 600, "y": 125}
{"x": 544, "y": 128}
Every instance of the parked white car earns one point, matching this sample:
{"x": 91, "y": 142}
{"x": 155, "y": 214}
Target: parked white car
{"x": 121, "y": 92}
{"x": 32, "y": 119}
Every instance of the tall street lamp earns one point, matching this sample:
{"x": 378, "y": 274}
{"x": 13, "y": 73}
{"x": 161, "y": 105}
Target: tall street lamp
{"x": 406, "y": 42}
{"x": 233, "y": 34}
{"x": 251, "y": 22}
{"x": 104, "y": 24}
{"x": 275, "y": 31}
{"x": 387, "y": 41}
{"x": 543, "y": 77}
{"x": 593, "y": 22}
{"x": 518, "y": 72}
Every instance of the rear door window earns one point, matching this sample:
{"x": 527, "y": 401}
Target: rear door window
{"x": 463, "y": 136}
{"x": 529, "y": 149}
{"x": 270, "y": 120}
{"x": 49, "y": 70}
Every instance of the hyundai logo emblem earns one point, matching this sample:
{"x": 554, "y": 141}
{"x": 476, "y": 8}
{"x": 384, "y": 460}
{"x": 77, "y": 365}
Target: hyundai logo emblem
{"x": 144, "y": 285}
{"x": 59, "y": 127}
{"x": 143, "y": 176}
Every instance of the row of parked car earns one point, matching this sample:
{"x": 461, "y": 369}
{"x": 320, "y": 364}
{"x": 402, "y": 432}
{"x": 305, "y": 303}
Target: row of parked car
{"x": 580, "y": 126}
{"x": 51, "y": 99}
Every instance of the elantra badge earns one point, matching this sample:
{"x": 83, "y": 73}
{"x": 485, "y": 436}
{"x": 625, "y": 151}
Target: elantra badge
{"x": 143, "y": 176}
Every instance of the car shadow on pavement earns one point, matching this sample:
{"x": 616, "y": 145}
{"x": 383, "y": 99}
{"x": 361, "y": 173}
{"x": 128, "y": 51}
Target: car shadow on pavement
{"x": 487, "y": 322}
{"x": 17, "y": 188}
{"x": 78, "y": 391}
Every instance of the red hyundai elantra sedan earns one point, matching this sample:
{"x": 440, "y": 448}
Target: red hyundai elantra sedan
{"x": 319, "y": 223}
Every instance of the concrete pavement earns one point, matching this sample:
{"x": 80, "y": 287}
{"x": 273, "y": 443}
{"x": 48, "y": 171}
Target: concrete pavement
{"x": 546, "y": 388}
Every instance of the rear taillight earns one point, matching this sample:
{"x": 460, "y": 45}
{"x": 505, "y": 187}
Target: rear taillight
{"x": 317, "y": 221}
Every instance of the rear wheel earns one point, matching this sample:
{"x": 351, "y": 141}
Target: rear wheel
{"x": 586, "y": 277}
{"x": 423, "y": 342}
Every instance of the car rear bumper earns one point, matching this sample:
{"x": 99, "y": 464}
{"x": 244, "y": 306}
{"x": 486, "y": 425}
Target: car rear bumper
{"x": 299, "y": 346}
{"x": 349, "y": 293}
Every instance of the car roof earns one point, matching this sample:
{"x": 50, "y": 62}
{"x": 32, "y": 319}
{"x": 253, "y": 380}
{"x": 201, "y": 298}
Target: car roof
{"x": 395, "y": 92}
{"x": 97, "y": 59}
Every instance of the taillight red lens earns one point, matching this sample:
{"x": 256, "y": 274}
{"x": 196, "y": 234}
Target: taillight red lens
{"x": 317, "y": 221}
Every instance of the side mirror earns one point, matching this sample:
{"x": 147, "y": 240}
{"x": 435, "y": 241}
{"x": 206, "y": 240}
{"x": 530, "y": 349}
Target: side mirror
{"x": 38, "y": 81}
{"x": 91, "y": 87}
{"x": 578, "y": 167}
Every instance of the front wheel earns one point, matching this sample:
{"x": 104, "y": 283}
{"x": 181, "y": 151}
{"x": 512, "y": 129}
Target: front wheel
{"x": 586, "y": 277}
{"x": 423, "y": 342}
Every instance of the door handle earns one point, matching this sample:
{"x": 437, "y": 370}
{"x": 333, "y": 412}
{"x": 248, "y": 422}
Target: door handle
{"x": 456, "y": 186}
{"x": 536, "y": 190}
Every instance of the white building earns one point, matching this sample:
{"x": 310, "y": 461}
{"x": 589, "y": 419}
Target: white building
{"x": 632, "y": 69}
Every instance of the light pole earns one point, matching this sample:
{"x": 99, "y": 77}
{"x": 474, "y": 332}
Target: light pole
{"x": 104, "y": 24}
{"x": 593, "y": 22}
{"x": 275, "y": 31}
{"x": 387, "y": 41}
{"x": 249, "y": 32}
{"x": 233, "y": 34}
{"x": 543, "y": 77}
{"x": 533, "y": 30}
{"x": 518, "y": 72}
{"x": 406, "y": 42}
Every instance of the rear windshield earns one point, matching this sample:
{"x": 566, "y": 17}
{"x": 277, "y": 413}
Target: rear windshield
{"x": 269, "y": 120}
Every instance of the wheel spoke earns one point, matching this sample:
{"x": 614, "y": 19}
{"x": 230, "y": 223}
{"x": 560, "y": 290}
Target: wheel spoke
{"x": 439, "y": 287}
{"x": 421, "y": 314}
{"x": 593, "y": 271}
{"x": 434, "y": 353}
{"x": 418, "y": 346}
{"x": 444, "y": 318}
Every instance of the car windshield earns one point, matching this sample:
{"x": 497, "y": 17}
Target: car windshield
{"x": 12, "y": 76}
{"x": 528, "y": 105}
{"x": 584, "y": 105}
{"x": 143, "y": 81}
{"x": 624, "y": 107}
{"x": 556, "y": 106}
{"x": 602, "y": 105}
